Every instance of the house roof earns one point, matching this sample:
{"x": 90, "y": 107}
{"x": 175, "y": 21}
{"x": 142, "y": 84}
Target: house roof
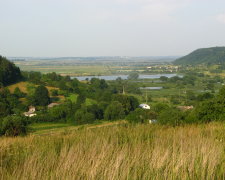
{"x": 53, "y": 104}
{"x": 184, "y": 108}
{"x": 143, "y": 105}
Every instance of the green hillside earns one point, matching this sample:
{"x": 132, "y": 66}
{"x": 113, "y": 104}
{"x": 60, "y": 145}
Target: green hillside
{"x": 9, "y": 73}
{"x": 214, "y": 55}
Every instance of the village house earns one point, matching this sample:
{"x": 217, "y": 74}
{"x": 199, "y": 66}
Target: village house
{"x": 31, "y": 112}
{"x": 52, "y": 105}
{"x": 185, "y": 108}
{"x": 144, "y": 106}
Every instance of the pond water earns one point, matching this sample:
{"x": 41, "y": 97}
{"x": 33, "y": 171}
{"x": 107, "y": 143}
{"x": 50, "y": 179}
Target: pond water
{"x": 114, "y": 77}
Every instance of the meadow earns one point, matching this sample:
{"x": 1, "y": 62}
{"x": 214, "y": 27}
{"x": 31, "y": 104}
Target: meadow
{"x": 121, "y": 151}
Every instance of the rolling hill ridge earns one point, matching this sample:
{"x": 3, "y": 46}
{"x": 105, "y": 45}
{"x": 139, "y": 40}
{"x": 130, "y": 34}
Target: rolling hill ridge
{"x": 213, "y": 55}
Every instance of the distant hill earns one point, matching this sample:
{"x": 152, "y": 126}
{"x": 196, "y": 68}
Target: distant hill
{"x": 9, "y": 73}
{"x": 214, "y": 55}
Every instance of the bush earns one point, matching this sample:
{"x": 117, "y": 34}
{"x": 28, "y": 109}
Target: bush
{"x": 114, "y": 111}
{"x": 83, "y": 117}
{"x": 41, "y": 96}
{"x": 129, "y": 103}
{"x": 171, "y": 116}
{"x": 54, "y": 92}
{"x": 14, "y": 126}
{"x": 212, "y": 109}
{"x": 159, "y": 107}
{"x": 141, "y": 116}
{"x": 19, "y": 93}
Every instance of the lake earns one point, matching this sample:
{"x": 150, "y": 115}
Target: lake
{"x": 114, "y": 77}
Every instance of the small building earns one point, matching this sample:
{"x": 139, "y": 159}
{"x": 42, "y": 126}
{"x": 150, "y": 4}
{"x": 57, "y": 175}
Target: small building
{"x": 144, "y": 106}
{"x": 185, "y": 108}
{"x": 31, "y": 112}
{"x": 152, "y": 121}
{"x": 52, "y": 105}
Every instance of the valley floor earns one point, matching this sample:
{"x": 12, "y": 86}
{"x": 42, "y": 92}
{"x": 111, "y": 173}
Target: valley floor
{"x": 119, "y": 151}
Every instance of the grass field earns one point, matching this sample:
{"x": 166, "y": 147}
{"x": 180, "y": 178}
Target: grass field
{"x": 72, "y": 70}
{"x": 21, "y": 85}
{"x": 73, "y": 98}
{"x": 58, "y": 128}
{"x": 24, "y": 87}
{"x": 117, "y": 152}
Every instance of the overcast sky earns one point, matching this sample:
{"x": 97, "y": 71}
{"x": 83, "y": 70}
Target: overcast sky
{"x": 109, "y": 27}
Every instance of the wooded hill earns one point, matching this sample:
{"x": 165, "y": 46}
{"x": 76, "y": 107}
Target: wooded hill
{"x": 9, "y": 73}
{"x": 214, "y": 55}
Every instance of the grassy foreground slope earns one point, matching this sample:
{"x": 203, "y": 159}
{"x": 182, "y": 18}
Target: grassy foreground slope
{"x": 118, "y": 152}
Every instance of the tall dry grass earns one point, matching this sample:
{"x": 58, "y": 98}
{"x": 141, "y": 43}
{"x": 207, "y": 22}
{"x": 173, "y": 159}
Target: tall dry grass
{"x": 120, "y": 152}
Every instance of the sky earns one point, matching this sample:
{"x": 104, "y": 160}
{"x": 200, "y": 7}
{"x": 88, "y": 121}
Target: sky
{"x": 62, "y": 28}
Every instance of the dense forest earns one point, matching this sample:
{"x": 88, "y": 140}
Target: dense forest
{"x": 214, "y": 55}
{"x": 9, "y": 73}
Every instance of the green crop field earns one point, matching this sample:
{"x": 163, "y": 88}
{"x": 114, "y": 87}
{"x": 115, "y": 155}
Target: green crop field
{"x": 73, "y": 98}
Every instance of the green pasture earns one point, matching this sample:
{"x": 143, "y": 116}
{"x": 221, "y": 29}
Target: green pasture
{"x": 73, "y": 98}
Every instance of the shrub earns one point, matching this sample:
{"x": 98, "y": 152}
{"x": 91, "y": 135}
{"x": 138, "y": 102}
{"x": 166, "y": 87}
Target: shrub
{"x": 19, "y": 93}
{"x": 14, "y": 126}
{"x": 54, "y": 92}
{"x": 160, "y": 107}
{"x": 141, "y": 116}
{"x": 114, "y": 111}
{"x": 83, "y": 117}
{"x": 171, "y": 116}
{"x": 41, "y": 96}
{"x": 129, "y": 103}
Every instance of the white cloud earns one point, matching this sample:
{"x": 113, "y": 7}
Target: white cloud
{"x": 221, "y": 18}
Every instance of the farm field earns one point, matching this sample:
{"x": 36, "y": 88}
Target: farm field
{"x": 24, "y": 86}
{"x": 89, "y": 66}
{"x": 117, "y": 152}
{"x": 59, "y": 128}
{"x": 68, "y": 70}
{"x": 88, "y": 101}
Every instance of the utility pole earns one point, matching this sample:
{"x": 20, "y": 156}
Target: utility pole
{"x": 146, "y": 96}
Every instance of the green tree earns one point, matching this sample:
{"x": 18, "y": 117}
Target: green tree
{"x": 81, "y": 99}
{"x": 159, "y": 107}
{"x": 96, "y": 110}
{"x": 83, "y": 117}
{"x": 141, "y": 116}
{"x": 4, "y": 109}
{"x": 14, "y": 126}
{"x": 114, "y": 111}
{"x": 171, "y": 116}
{"x": 129, "y": 103}
{"x": 54, "y": 92}
{"x": 41, "y": 96}
{"x": 18, "y": 92}
{"x": 9, "y": 73}
{"x": 163, "y": 78}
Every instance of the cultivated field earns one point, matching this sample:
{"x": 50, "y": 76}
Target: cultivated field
{"x": 117, "y": 152}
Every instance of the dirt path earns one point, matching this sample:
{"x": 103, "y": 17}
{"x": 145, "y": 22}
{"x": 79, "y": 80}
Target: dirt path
{"x": 55, "y": 131}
